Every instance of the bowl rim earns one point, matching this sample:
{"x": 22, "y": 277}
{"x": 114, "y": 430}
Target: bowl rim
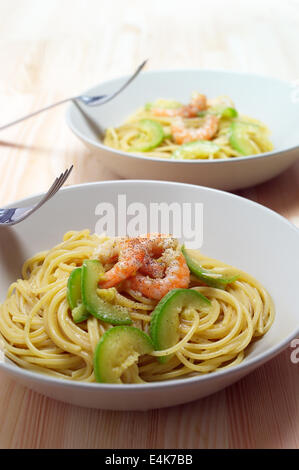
{"x": 100, "y": 145}
{"x": 250, "y": 364}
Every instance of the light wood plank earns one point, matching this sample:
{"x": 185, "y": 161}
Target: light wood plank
{"x": 53, "y": 49}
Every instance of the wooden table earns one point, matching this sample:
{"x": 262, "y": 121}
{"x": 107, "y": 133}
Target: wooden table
{"x": 52, "y": 49}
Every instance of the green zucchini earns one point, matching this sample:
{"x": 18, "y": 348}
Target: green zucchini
{"x": 74, "y": 297}
{"x": 208, "y": 277}
{"x": 92, "y": 272}
{"x": 165, "y": 320}
{"x": 196, "y": 149}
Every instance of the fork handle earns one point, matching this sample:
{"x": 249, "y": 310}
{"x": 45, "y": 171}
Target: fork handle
{"x": 36, "y": 112}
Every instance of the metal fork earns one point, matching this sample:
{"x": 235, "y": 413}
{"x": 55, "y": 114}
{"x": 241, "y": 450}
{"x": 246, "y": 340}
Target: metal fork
{"x": 85, "y": 99}
{"x": 15, "y": 215}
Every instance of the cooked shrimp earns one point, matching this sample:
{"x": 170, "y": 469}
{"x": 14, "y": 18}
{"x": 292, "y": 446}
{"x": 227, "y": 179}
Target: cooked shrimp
{"x": 198, "y": 103}
{"x": 137, "y": 254}
{"x": 183, "y": 134}
{"x": 156, "y": 244}
{"x": 151, "y": 267}
{"x": 131, "y": 254}
{"x": 177, "y": 275}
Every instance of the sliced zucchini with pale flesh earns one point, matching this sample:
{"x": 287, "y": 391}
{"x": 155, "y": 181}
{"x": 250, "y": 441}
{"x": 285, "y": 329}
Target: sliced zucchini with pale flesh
{"x": 92, "y": 272}
{"x": 205, "y": 275}
{"x": 196, "y": 149}
{"x": 74, "y": 297}
{"x": 242, "y": 137}
{"x": 151, "y": 134}
{"x": 165, "y": 319}
{"x": 118, "y": 349}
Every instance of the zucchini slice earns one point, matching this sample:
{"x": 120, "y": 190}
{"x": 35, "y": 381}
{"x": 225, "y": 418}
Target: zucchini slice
{"x": 151, "y": 135}
{"x": 196, "y": 149}
{"x": 242, "y": 137}
{"x": 118, "y": 349}
{"x": 79, "y": 311}
{"x": 92, "y": 271}
{"x": 165, "y": 320}
{"x": 208, "y": 277}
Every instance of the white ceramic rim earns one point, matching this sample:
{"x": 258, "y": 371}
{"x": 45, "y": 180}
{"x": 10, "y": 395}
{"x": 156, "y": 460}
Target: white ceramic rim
{"x": 100, "y": 145}
{"x": 261, "y": 357}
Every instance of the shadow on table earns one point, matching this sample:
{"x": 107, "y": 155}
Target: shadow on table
{"x": 263, "y": 408}
{"x": 5, "y": 143}
{"x": 280, "y": 194}
{"x": 12, "y": 254}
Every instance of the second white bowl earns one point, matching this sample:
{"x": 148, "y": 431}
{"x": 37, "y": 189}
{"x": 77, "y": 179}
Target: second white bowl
{"x": 268, "y": 99}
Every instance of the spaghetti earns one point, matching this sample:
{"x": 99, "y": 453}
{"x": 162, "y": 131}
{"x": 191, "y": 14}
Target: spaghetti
{"x": 168, "y": 129}
{"x": 39, "y": 333}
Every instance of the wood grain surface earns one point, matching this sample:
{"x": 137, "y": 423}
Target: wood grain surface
{"x": 52, "y": 49}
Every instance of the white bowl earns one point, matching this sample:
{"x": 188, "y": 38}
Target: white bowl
{"x": 235, "y": 230}
{"x": 271, "y": 100}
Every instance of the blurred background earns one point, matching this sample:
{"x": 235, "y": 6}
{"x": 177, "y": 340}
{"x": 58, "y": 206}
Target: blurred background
{"x": 53, "y": 49}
